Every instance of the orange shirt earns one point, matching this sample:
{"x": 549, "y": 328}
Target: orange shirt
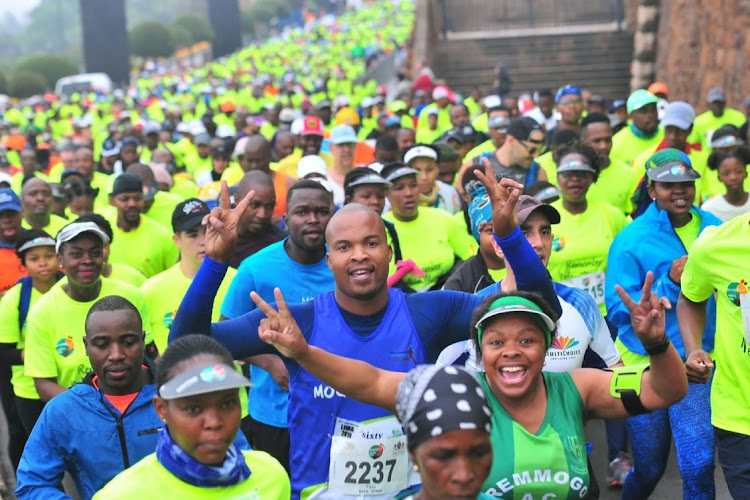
{"x": 10, "y": 269}
{"x": 364, "y": 154}
{"x": 281, "y": 185}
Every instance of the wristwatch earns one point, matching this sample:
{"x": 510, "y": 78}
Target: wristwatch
{"x": 658, "y": 347}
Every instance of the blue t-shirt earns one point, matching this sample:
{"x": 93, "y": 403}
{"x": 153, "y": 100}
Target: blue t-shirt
{"x": 263, "y": 271}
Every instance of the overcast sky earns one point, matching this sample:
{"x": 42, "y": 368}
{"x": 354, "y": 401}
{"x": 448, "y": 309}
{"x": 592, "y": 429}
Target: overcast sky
{"x": 18, "y": 7}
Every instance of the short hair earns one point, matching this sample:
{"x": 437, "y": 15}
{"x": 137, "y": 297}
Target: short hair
{"x": 100, "y": 221}
{"x": 470, "y": 175}
{"x": 73, "y": 189}
{"x": 306, "y": 184}
{"x": 27, "y": 236}
{"x": 112, "y": 303}
{"x": 185, "y": 348}
{"x": 717, "y": 157}
{"x": 482, "y": 309}
{"x": 594, "y": 118}
{"x": 545, "y": 93}
{"x": 386, "y": 142}
{"x": 252, "y": 178}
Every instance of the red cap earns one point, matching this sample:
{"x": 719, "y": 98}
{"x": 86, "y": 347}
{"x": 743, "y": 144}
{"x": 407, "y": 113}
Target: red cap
{"x": 312, "y": 125}
{"x": 658, "y": 88}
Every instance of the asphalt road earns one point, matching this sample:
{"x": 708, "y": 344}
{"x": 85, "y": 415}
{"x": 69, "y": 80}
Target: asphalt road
{"x": 669, "y": 488}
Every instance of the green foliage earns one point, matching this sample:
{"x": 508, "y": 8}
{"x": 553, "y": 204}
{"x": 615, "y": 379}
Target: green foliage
{"x": 181, "y": 36}
{"x": 26, "y": 83}
{"x": 263, "y": 11}
{"x": 248, "y": 23}
{"x": 198, "y": 27}
{"x": 3, "y": 83}
{"x": 151, "y": 39}
{"x": 52, "y": 68}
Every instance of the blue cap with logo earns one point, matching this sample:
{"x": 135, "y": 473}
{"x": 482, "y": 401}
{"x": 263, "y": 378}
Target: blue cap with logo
{"x": 9, "y": 200}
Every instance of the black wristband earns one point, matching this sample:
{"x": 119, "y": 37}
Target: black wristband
{"x": 658, "y": 347}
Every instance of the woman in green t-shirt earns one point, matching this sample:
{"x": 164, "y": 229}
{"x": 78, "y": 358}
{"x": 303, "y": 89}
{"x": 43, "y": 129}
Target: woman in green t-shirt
{"x": 586, "y": 229}
{"x": 198, "y": 399}
{"x": 537, "y": 417}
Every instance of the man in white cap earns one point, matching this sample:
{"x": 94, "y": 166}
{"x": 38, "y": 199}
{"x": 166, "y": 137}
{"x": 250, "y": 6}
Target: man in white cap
{"x": 718, "y": 114}
{"x": 343, "y": 144}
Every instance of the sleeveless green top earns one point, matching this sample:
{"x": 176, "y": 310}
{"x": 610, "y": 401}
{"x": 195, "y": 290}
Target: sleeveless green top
{"x": 546, "y": 465}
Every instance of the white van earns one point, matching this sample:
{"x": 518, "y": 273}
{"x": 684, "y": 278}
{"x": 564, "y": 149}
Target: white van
{"x": 85, "y": 82}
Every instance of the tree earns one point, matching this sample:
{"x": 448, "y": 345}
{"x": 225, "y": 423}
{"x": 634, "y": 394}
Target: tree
{"x": 26, "y": 83}
{"x": 52, "y": 68}
{"x": 198, "y": 27}
{"x": 3, "y": 83}
{"x": 181, "y": 36}
{"x": 151, "y": 39}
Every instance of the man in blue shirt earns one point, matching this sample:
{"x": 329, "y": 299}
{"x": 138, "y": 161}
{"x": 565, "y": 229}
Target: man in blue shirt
{"x": 297, "y": 266}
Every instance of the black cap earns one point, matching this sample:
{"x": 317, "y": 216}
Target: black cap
{"x": 127, "y": 183}
{"x": 189, "y": 214}
{"x": 522, "y": 128}
{"x": 220, "y": 151}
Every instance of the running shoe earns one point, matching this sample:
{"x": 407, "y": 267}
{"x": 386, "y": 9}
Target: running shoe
{"x": 618, "y": 469}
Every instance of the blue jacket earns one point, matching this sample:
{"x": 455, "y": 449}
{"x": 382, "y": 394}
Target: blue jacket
{"x": 80, "y": 432}
{"x": 650, "y": 243}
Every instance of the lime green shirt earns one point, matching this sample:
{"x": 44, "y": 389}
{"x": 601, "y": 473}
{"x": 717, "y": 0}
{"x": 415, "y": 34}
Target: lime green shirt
{"x": 268, "y": 480}
{"x": 162, "y": 209}
{"x": 616, "y": 185}
{"x": 433, "y": 241}
{"x": 164, "y": 293}
{"x": 626, "y": 147}
{"x": 717, "y": 262}
{"x": 486, "y": 147}
{"x": 126, "y": 274}
{"x": 581, "y": 245}
{"x": 148, "y": 248}
{"x": 690, "y": 231}
{"x": 23, "y": 385}
{"x": 56, "y": 327}
{"x": 55, "y": 224}
{"x": 706, "y": 123}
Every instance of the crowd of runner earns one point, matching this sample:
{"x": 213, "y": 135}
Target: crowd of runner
{"x": 266, "y": 278}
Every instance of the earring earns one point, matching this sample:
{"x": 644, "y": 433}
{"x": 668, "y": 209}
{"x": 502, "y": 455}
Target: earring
{"x": 416, "y": 468}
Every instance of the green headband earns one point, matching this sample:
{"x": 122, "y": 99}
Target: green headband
{"x": 514, "y": 303}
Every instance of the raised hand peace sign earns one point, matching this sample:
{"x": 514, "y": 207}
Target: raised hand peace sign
{"x": 279, "y": 328}
{"x": 646, "y": 316}
{"x": 222, "y": 226}
{"x": 503, "y": 196}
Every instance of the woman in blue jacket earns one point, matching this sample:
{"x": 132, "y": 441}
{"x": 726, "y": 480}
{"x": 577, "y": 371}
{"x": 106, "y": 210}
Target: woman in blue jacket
{"x": 659, "y": 240}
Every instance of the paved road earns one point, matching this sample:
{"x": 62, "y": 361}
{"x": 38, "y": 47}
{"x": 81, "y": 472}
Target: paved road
{"x": 669, "y": 488}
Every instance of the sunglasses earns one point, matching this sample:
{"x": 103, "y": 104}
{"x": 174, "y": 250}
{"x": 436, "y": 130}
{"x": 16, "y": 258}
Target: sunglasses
{"x": 533, "y": 149}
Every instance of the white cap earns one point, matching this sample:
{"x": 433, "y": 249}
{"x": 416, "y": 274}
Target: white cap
{"x": 5, "y": 177}
{"x": 439, "y": 92}
{"x": 183, "y": 128}
{"x": 197, "y": 127}
{"x": 432, "y": 111}
{"x": 239, "y": 146}
{"x": 492, "y": 101}
{"x": 367, "y": 102}
{"x": 420, "y": 152}
{"x": 311, "y": 164}
{"x": 297, "y": 125}
{"x": 76, "y": 228}
{"x": 224, "y": 131}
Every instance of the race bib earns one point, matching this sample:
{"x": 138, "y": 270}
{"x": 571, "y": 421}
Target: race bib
{"x": 593, "y": 284}
{"x": 745, "y": 309}
{"x": 368, "y": 459}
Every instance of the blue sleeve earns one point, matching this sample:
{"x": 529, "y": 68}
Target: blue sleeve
{"x": 237, "y": 300}
{"x": 530, "y": 273}
{"x": 624, "y": 269}
{"x": 42, "y": 465}
{"x": 441, "y": 318}
{"x": 239, "y": 335}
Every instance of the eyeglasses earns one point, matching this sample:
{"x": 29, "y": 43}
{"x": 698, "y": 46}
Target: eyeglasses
{"x": 531, "y": 149}
{"x": 569, "y": 102}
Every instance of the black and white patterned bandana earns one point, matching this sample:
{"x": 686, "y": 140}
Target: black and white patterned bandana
{"x": 434, "y": 399}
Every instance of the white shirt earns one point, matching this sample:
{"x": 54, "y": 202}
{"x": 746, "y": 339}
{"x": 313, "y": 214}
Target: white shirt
{"x": 721, "y": 208}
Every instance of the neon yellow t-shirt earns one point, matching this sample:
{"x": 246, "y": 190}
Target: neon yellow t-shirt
{"x": 581, "y": 245}
{"x": 498, "y": 274}
{"x": 56, "y": 327}
{"x": 126, "y": 274}
{"x": 717, "y": 261}
{"x": 162, "y": 209}
{"x": 288, "y": 165}
{"x": 690, "y": 231}
{"x": 164, "y": 293}
{"x": 194, "y": 164}
{"x": 268, "y": 480}
{"x": 23, "y": 385}
{"x": 547, "y": 163}
{"x": 486, "y": 147}
{"x": 626, "y": 147}
{"x": 433, "y": 241}
{"x": 55, "y": 224}
{"x": 184, "y": 187}
{"x": 616, "y": 185}
{"x": 706, "y": 123}
{"x": 148, "y": 248}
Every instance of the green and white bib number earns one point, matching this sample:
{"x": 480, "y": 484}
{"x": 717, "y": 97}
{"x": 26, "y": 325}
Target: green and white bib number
{"x": 592, "y": 283}
{"x": 368, "y": 460}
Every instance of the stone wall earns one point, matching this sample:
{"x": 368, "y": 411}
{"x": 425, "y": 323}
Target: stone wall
{"x": 701, "y": 44}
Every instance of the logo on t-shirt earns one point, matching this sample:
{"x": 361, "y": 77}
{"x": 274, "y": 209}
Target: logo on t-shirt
{"x": 169, "y": 319}
{"x": 65, "y": 347}
{"x": 734, "y": 290}
{"x": 404, "y": 355}
{"x": 563, "y": 343}
{"x": 376, "y": 451}
{"x": 558, "y": 244}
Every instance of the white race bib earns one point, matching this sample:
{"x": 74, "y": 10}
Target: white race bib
{"x": 368, "y": 459}
{"x": 745, "y": 309}
{"x": 593, "y": 284}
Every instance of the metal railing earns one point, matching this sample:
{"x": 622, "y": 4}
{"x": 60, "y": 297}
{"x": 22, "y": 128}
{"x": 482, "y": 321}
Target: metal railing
{"x": 480, "y": 15}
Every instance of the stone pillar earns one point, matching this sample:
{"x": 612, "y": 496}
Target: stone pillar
{"x": 643, "y": 68}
